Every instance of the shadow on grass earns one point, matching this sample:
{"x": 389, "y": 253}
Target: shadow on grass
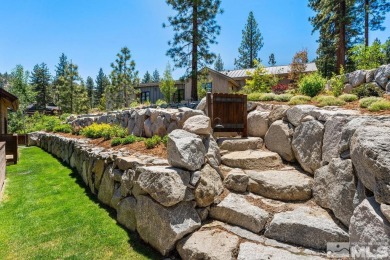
{"x": 136, "y": 243}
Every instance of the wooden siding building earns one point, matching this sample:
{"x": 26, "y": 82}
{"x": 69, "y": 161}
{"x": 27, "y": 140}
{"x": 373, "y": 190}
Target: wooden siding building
{"x": 151, "y": 92}
{"x": 7, "y": 101}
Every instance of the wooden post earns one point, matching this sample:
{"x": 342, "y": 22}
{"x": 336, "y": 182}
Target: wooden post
{"x": 209, "y": 104}
{"x": 245, "y": 115}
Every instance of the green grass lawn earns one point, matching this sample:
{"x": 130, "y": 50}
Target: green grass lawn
{"x": 46, "y": 213}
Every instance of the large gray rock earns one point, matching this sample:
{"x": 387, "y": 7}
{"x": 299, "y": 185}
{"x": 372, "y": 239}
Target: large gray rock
{"x": 240, "y": 144}
{"x": 209, "y": 186}
{"x": 202, "y": 105}
{"x": 185, "y": 150}
{"x": 357, "y": 78}
{"x": 370, "y": 153}
{"x": 252, "y": 251}
{"x": 199, "y": 125}
{"x": 335, "y": 187}
{"x": 106, "y": 188}
{"x": 277, "y": 113}
{"x": 214, "y": 244}
{"x": 385, "y": 209}
{"x": 126, "y": 213}
{"x": 236, "y": 180}
{"x": 295, "y": 114}
{"x": 278, "y": 139}
{"x": 235, "y": 209}
{"x": 257, "y": 123}
{"x": 368, "y": 225}
{"x": 287, "y": 185}
{"x": 314, "y": 226}
{"x": 382, "y": 75}
{"x": 332, "y": 138}
{"x": 166, "y": 185}
{"x": 307, "y": 145}
{"x": 162, "y": 227}
{"x": 252, "y": 159}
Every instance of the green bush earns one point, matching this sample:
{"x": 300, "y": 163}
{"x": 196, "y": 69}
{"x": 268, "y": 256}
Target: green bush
{"x": 62, "y": 128}
{"x": 337, "y": 83}
{"x": 299, "y": 100}
{"x": 129, "y": 139}
{"x": 348, "y": 97}
{"x": 152, "y": 142}
{"x": 380, "y": 105}
{"x": 329, "y": 101}
{"x": 160, "y": 102}
{"x": 267, "y": 97}
{"x": 311, "y": 84}
{"x": 283, "y": 97}
{"x": 165, "y": 140}
{"x": 103, "y": 130}
{"x": 118, "y": 131}
{"x": 366, "y": 102}
{"x": 116, "y": 141}
{"x": 368, "y": 90}
{"x": 254, "y": 96}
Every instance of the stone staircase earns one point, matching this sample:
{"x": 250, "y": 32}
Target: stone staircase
{"x": 271, "y": 200}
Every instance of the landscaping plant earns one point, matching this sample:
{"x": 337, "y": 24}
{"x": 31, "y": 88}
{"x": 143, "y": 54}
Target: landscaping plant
{"x": 152, "y": 142}
{"x": 348, "y": 97}
{"x": 283, "y": 97}
{"x": 366, "y": 102}
{"x": 299, "y": 100}
{"x": 380, "y": 105}
{"x": 329, "y": 101}
{"x": 311, "y": 84}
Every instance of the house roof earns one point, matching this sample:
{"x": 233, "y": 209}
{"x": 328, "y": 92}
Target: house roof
{"x": 310, "y": 67}
{"x": 225, "y": 76}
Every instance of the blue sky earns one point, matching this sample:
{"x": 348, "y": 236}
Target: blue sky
{"x": 91, "y": 32}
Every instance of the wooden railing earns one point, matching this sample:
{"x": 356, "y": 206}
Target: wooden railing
{"x": 11, "y": 145}
{"x": 228, "y": 112}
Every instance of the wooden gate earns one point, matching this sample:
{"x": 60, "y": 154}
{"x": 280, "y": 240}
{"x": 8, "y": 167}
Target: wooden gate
{"x": 11, "y": 146}
{"x": 228, "y": 112}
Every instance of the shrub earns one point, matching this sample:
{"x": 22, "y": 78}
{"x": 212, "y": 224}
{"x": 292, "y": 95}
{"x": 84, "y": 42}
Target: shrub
{"x": 279, "y": 88}
{"x": 254, "y": 96}
{"x": 160, "y": 102}
{"x": 129, "y": 139}
{"x": 118, "y": 131}
{"x": 152, "y": 142}
{"x": 329, "y": 101}
{"x": 51, "y": 123}
{"x": 116, "y": 141}
{"x": 368, "y": 90}
{"x": 267, "y": 97}
{"x": 283, "y": 97}
{"x": 165, "y": 140}
{"x": 260, "y": 80}
{"x": 337, "y": 83}
{"x": 311, "y": 84}
{"x": 348, "y": 97}
{"x": 103, "y": 130}
{"x": 62, "y": 128}
{"x": 380, "y": 105}
{"x": 366, "y": 102}
{"x": 299, "y": 100}
{"x": 134, "y": 104}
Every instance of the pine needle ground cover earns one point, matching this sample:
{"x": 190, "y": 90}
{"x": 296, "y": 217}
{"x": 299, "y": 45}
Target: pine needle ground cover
{"x": 46, "y": 213}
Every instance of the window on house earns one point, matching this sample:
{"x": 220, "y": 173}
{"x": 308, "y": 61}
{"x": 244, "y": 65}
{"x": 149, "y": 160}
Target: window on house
{"x": 145, "y": 96}
{"x": 208, "y": 86}
{"x": 178, "y": 96}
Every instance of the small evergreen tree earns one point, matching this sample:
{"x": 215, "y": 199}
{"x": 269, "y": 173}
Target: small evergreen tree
{"x": 272, "y": 61}
{"x": 218, "y": 66}
{"x": 155, "y": 76}
{"x": 251, "y": 44}
{"x": 297, "y": 67}
{"x": 147, "y": 78}
{"x": 40, "y": 80}
{"x": 102, "y": 82}
{"x": 90, "y": 91}
{"x": 167, "y": 85}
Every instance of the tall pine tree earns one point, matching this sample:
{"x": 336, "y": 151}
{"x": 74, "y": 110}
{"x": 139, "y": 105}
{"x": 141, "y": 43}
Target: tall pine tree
{"x": 102, "y": 82}
{"x": 147, "y": 78}
{"x": 124, "y": 78}
{"x": 67, "y": 86}
{"x": 271, "y": 60}
{"x": 156, "y": 76}
{"x": 40, "y": 80}
{"x": 90, "y": 86}
{"x": 57, "y": 82}
{"x": 195, "y": 29}
{"x": 20, "y": 87}
{"x": 218, "y": 65}
{"x": 251, "y": 44}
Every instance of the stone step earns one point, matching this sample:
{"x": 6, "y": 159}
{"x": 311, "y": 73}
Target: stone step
{"x": 307, "y": 226}
{"x": 253, "y": 160}
{"x": 240, "y": 144}
{"x": 285, "y": 184}
{"x": 235, "y": 209}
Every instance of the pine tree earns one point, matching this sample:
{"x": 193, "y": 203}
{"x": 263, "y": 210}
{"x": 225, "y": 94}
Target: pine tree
{"x": 387, "y": 51}
{"x": 195, "y": 29}
{"x": 60, "y": 73}
{"x": 272, "y": 61}
{"x": 218, "y": 66}
{"x": 102, "y": 82}
{"x": 40, "y": 80}
{"x": 20, "y": 87}
{"x": 251, "y": 44}
{"x": 155, "y": 76}
{"x": 81, "y": 99}
{"x": 167, "y": 85}
{"x": 147, "y": 78}
{"x": 90, "y": 86}
{"x": 124, "y": 78}
{"x": 67, "y": 86}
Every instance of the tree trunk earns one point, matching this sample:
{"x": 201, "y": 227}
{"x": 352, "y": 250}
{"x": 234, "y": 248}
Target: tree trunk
{"x": 194, "y": 67}
{"x": 366, "y": 13}
{"x": 341, "y": 47}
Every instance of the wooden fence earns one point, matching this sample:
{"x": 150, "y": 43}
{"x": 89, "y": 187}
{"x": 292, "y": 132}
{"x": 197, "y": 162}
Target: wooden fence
{"x": 3, "y": 162}
{"x": 11, "y": 146}
{"x": 228, "y": 112}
